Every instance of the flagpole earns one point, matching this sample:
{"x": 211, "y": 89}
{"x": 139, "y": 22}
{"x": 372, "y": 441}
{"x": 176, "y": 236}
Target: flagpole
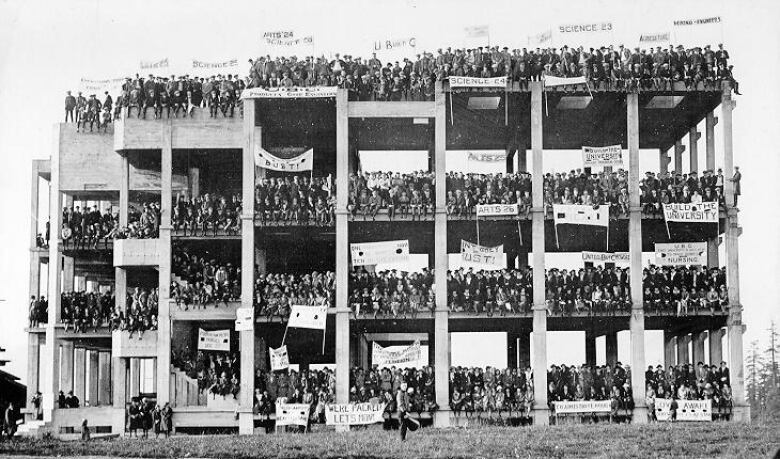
{"x": 519, "y": 233}
{"x": 506, "y": 106}
{"x": 285, "y": 332}
{"x": 478, "y": 231}
{"x": 323, "y": 341}
{"x": 452, "y": 117}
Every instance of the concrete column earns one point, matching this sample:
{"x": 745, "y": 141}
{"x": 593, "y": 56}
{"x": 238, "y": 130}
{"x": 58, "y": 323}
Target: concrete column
{"x": 698, "y": 347}
{"x": 80, "y": 373}
{"x": 537, "y": 227}
{"x": 118, "y": 393}
{"x": 734, "y": 325}
{"x": 120, "y": 288}
{"x": 679, "y": 149}
{"x": 713, "y": 257}
{"x": 670, "y": 356}
{"x": 194, "y": 176}
{"x": 441, "y": 324}
{"x": 683, "y": 356}
{"x": 611, "y": 343}
{"x": 716, "y": 346}
{"x": 35, "y": 189}
{"x": 93, "y": 374}
{"x": 66, "y": 366}
{"x": 33, "y": 366}
{"x": 590, "y": 348}
{"x": 693, "y": 138}
{"x": 261, "y": 259}
{"x": 135, "y": 377}
{"x": 524, "y": 349}
{"x": 104, "y": 378}
{"x": 637, "y": 320}
{"x": 364, "y": 351}
{"x": 510, "y": 160}
{"x": 164, "y": 269}
{"x": 50, "y": 385}
{"x": 68, "y": 274}
{"x": 124, "y": 191}
{"x": 342, "y": 250}
{"x": 663, "y": 161}
{"x": 522, "y": 160}
{"x": 511, "y": 349}
{"x": 253, "y": 137}
{"x": 709, "y": 132}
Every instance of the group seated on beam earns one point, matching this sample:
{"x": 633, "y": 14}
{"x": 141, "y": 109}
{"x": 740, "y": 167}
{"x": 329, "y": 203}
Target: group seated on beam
{"x": 592, "y": 382}
{"x": 83, "y": 310}
{"x": 480, "y": 393}
{"x": 391, "y": 293}
{"x": 691, "y": 382}
{"x": 211, "y": 214}
{"x": 296, "y": 200}
{"x": 684, "y": 290}
{"x": 405, "y": 196}
{"x": 276, "y": 293}
{"x": 198, "y": 282}
{"x": 217, "y": 372}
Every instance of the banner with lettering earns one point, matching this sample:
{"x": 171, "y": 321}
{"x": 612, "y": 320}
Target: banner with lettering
{"x": 491, "y": 257}
{"x": 583, "y": 406}
{"x": 286, "y": 38}
{"x": 552, "y": 81}
{"x": 703, "y": 212}
{"x": 302, "y": 162}
{"x": 650, "y": 39}
{"x": 292, "y": 414}
{"x": 487, "y": 156}
{"x": 477, "y": 31}
{"x": 372, "y": 253}
{"x": 681, "y": 253}
{"x": 475, "y": 82}
{"x": 687, "y": 410}
{"x": 382, "y": 358}
{"x": 391, "y": 44}
{"x": 541, "y": 40}
{"x": 581, "y": 215}
{"x": 99, "y": 87}
{"x": 245, "y": 318}
{"x": 622, "y": 259}
{"x": 217, "y": 340}
{"x": 602, "y": 156}
{"x": 202, "y": 67}
{"x": 707, "y": 29}
{"x": 280, "y": 360}
{"x": 585, "y": 27}
{"x": 290, "y": 93}
{"x": 497, "y": 210}
{"x": 161, "y": 64}
{"x": 353, "y": 414}
{"x": 303, "y": 316}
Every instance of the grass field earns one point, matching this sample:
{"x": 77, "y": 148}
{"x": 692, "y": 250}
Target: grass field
{"x": 641, "y": 441}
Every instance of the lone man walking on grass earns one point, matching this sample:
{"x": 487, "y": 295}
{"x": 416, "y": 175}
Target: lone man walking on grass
{"x": 402, "y": 402}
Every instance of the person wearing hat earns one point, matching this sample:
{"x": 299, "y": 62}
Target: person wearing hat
{"x": 402, "y": 405}
{"x": 70, "y": 105}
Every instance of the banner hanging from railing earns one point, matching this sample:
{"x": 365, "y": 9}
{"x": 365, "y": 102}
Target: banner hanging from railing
{"x": 583, "y": 406}
{"x": 611, "y": 155}
{"x": 703, "y": 212}
{"x": 622, "y": 259}
{"x": 217, "y": 340}
{"x": 372, "y": 253}
{"x": 687, "y": 410}
{"x": 681, "y": 253}
{"x": 382, "y": 358}
{"x": 353, "y": 414}
{"x": 491, "y": 257}
{"x": 292, "y": 414}
{"x": 475, "y": 82}
{"x": 280, "y": 359}
{"x": 290, "y": 93}
{"x": 302, "y": 162}
{"x": 497, "y": 210}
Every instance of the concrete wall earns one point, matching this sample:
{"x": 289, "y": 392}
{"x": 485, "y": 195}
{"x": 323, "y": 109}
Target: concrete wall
{"x": 136, "y": 252}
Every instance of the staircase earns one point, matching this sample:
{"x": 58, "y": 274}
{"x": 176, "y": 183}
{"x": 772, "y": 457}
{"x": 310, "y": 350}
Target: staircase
{"x": 33, "y": 429}
{"x": 184, "y": 390}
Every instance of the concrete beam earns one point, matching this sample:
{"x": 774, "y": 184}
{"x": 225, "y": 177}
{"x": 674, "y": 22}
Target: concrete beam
{"x": 397, "y": 109}
{"x": 679, "y": 149}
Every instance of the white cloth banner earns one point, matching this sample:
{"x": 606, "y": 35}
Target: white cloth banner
{"x": 381, "y": 357}
{"x": 245, "y": 318}
{"x": 550, "y": 81}
{"x": 581, "y": 215}
{"x": 292, "y": 414}
{"x": 394, "y": 43}
{"x": 585, "y": 28}
{"x": 704, "y": 212}
{"x": 286, "y": 38}
{"x": 217, "y": 340}
{"x": 308, "y": 317}
{"x": 698, "y": 21}
{"x": 99, "y": 87}
{"x": 662, "y": 38}
{"x": 280, "y": 360}
{"x": 497, "y": 210}
{"x": 487, "y": 156}
{"x": 477, "y": 31}
{"x": 681, "y": 253}
{"x": 490, "y": 256}
{"x": 474, "y": 82}
{"x": 583, "y": 406}
{"x": 602, "y": 156}
{"x": 687, "y": 410}
{"x": 540, "y": 40}
{"x": 231, "y": 64}
{"x": 352, "y": 414}
{"x": 372, "y": 253}
{"x": 155, "y": 65}
{"x": 290, "y": 93}
{"x": 302, "y": 162}
{"x": 619, "y": 258}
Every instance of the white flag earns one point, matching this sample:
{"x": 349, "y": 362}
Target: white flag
{"x": 308, "y": 317}
{"x": 550, "y": 81}
{"x": 581, "y": 215}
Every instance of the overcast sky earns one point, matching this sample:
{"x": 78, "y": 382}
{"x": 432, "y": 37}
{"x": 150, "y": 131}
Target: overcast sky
{"x": 47, "y": 47}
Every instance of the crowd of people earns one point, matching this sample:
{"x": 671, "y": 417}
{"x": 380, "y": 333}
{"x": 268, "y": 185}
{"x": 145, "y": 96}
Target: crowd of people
{"x": 217, "y": 372}
{"x": 590, "y": 382}
{"x": 690, "y": 382}
{"x": 39, "y": 311}
{"x": 210, "y": 213}
{"x": 296, "y": 200}
{"x": 142, "y": 414}
{"x": 81, "y": 311}
{"x": 85, "y": 229}
{"x": 684, "y": 290}
{"x": 401, "y": 195}
{"x": 491, "y": 390}
{"x": 199, "y": 282}
{"x": 391, "y": 293}
{"x": 685, "y": 188}
{"x": 275, "y": 294}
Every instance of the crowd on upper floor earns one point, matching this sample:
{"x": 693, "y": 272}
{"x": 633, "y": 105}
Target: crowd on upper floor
{"x": 391, "y": 293}
{"x": 296, "y": 199}
{"x": 210, "y": 213}
{"x": 402, "y": 195}
{"x": 199, "y": 282}
{"x": 684, "y": 289}
{"x": 276, "y": 293}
